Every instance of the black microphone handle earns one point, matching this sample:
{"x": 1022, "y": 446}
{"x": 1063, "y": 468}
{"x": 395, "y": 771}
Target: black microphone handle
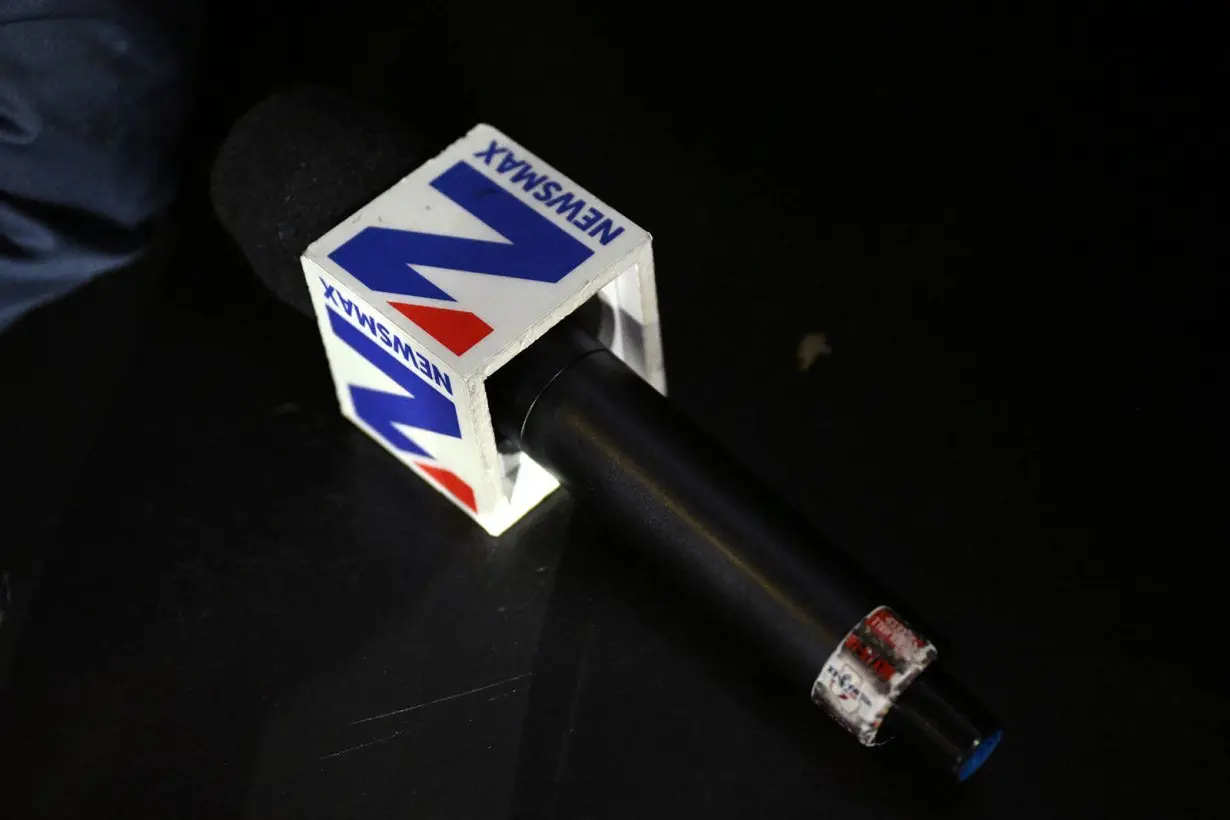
{"x": 673, "y": 493}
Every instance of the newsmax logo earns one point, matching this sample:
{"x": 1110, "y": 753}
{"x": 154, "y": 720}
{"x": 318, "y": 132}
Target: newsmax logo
{"x": 538, "y": 248}
{"x": 424, "y": 403}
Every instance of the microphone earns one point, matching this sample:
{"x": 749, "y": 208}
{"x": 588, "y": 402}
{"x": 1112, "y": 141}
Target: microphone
{"x": 313, "y": 169}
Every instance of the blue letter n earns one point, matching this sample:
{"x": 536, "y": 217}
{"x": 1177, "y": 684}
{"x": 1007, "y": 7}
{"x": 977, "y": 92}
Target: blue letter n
{"x": 380, "y": 258}
{"x": 425, "y": 407}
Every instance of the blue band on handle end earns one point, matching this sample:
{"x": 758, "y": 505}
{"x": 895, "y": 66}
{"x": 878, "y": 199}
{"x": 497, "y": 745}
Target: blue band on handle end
{"x": 979, "y": 756}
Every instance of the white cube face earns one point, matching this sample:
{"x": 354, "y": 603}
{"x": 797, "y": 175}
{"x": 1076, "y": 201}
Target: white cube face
{"x": 435, "y": 284}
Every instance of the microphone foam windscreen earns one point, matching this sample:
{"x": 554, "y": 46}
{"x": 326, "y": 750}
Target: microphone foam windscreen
{"x": 296, "y": 165}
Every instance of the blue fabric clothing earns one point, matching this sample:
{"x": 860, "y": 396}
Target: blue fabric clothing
{"x": 93, "y": 100}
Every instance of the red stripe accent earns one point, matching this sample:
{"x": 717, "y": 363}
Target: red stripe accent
{"x": 458, "y": 330}
{"x": 449, "y": 481}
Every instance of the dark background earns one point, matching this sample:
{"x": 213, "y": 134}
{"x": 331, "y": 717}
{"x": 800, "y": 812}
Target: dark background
{"x": 1009, "y": 231}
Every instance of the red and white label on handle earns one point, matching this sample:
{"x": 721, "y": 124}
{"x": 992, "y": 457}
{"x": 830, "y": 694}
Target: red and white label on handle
{"x": 862, "y": 679}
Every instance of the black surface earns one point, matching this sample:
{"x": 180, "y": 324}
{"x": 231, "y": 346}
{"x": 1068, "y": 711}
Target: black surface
{"x": 63, "y": 376}
{"x": 1008, "y": 232}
